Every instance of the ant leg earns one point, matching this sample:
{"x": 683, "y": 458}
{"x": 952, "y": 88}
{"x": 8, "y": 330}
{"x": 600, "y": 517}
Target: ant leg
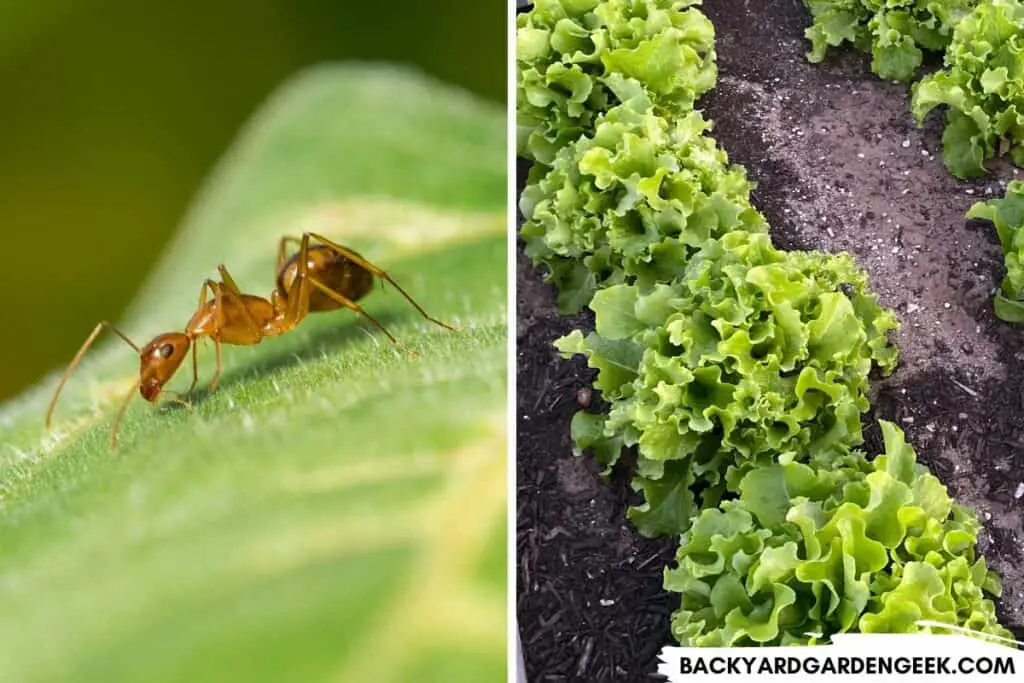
{"x": 222, "y": 292}
{"x": 219, "y": 306}
{"x": 195, "y": 344}
{"x": 78, "y": 357}
{"x": 353, "y": 306}
{"x": 298, "y": 297}
{"x": 195, "y": 367}
{"x": 235, "y": 294}
{"x": 209, "y": 285}
{"x": 359, "y": 260}
{"x": 227, "y": 281}
{"x": 281, "y": 253}
{"x": 220, "y": 365}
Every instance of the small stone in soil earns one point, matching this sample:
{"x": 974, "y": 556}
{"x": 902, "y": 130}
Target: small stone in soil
{"x": 583, "y": 396}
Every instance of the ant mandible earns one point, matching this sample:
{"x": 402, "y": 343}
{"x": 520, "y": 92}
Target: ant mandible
{"x": 321, "y": 277}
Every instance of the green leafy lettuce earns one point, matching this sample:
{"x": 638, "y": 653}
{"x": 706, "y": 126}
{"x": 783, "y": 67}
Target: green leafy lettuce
{"x": 578, "y": 58}
{"x": 839, "y": 544}
{"x": 632, "y": 202}
{"x": 982, "y": 85}
{"x": 1007, "y": 214}
{"x": 895, "y": 32}
{"x": 752, "y": 355}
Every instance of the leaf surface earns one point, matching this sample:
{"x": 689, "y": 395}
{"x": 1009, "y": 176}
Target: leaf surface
{"x": 335, "y": 510}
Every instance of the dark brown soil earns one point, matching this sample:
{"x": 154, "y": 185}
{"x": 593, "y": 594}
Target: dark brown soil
{"x": 841, "y": 166}
{"x": 590, "y": 599}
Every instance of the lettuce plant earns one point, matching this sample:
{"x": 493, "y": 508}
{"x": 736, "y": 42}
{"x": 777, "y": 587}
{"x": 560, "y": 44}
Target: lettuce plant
{"x": 982, "y": 85}
{"x": 754, "y": 354}
{"x": 578, "y": 58}
{"x": 1007, "y": 214}
{"x": 840, "y": 544}
{"x": 895, "y": 32}
{"x": 632, "y": 202}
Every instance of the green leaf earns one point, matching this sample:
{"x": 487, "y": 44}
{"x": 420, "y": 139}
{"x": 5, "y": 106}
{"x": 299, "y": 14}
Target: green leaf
{"x": 767, "y": 491}
{"x": 334, "y": 498}
{"x": 1008, "y": 310}
{"x": 963, "y": 147}
{"x": 615, "y": 360}
{"x": 993, "y": 80}
{"x": 896, "y": 61}
{"x": 588, "y": 434}
{"x": 668, "y": 506}
{"x": 832, "y": 332}
{"x": 615, "y": 312}
{"x": 832, "y": 27}
{"x": 1007, "y": 215}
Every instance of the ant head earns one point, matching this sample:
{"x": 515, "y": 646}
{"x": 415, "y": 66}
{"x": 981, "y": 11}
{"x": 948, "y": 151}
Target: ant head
{"x": 160, "y": 359}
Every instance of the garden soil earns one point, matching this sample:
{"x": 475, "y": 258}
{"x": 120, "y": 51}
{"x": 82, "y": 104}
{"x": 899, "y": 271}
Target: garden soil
{"x": 840, "y": 166}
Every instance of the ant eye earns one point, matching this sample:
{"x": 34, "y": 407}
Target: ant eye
{"x": 166, "y": 351}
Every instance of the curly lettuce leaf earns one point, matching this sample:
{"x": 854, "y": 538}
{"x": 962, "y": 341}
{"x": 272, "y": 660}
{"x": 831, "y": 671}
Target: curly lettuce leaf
{"x": 587, "y": 433}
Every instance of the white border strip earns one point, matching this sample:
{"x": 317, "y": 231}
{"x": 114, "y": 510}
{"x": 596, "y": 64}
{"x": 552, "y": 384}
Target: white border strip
{"x": 514, "y": 651}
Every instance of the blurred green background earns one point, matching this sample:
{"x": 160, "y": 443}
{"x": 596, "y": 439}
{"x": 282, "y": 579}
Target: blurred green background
{"x": 113, "y": 111}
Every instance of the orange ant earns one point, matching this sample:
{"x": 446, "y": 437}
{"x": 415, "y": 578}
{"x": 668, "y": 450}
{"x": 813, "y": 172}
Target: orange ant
{"x": 322, "y": 277}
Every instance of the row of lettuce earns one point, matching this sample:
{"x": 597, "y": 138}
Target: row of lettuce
{"x": 738, "y": 371}
{"x": 981, "y": 85}
{"x": 982, "y": 79}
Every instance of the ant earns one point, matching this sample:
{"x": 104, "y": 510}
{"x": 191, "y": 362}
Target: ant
{"x": 322, "y": 277}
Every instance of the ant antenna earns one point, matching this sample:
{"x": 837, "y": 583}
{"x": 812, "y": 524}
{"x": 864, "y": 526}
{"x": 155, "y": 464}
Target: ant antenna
{"x": 78, "y": 357}
{"x": 120, "y": 414}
